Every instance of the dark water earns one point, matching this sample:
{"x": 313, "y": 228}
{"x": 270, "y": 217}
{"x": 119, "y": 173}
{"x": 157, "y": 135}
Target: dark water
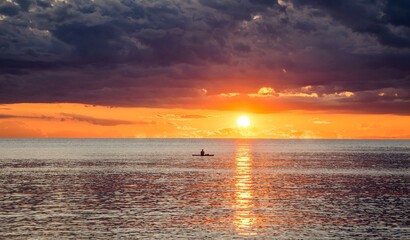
{"x": 284, "y": 189}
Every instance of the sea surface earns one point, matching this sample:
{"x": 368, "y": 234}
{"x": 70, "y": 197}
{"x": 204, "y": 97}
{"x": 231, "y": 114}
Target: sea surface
{"x": 250, "y": 189}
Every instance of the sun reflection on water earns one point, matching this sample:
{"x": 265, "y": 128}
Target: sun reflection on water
{"x": 244, "y": 216}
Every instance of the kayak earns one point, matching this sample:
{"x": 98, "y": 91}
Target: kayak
{"x": 199, "y": 155}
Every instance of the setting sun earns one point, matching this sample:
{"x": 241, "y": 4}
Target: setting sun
{"x": 243, "y": 121}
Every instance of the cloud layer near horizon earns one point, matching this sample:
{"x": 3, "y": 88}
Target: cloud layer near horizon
{"x": 351, "y": 56}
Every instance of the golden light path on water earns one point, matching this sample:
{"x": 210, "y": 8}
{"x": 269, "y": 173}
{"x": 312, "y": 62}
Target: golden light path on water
{"x": 244, "y": 216}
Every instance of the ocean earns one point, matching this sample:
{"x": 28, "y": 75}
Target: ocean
{"x": 250, "y": 189}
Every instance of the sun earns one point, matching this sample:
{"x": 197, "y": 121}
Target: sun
{"x": 243, "y": 121}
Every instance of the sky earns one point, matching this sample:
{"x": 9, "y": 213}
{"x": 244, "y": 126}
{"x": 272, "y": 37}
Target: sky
{"x": 174, "y": 68}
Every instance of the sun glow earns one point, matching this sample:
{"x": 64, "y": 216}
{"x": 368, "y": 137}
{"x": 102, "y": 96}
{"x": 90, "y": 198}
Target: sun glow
{"x": 243, "y": 121}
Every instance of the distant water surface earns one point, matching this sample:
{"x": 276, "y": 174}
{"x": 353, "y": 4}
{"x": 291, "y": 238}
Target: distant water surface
{"x": 154, "y": 188}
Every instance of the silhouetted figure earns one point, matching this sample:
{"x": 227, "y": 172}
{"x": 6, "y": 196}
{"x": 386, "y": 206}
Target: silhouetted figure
{"x": 202, "y": 152}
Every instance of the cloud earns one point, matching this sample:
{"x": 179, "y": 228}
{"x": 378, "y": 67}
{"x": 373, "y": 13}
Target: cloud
{"x": 101, "y": 121}
{"x": 317, "y": 121}
{"x": 372, "y": 18}
{"x": 181, "y": 116}
{"x": 7, "y": 116}
{"x": 43, "y": 117}
{"x": 264, "y": 92}
{"x": 192, "y": 116}
{"x": 165, "y": 53}
{"x": 76, "y": 117}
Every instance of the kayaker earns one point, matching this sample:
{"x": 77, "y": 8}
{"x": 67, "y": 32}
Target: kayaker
{"x": 202, "y": 152}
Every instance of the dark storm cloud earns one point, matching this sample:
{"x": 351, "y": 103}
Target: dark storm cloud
{"x": 8, "y": 9}
{"x": 369, "y": 16}
{"x": 164, "y": 53}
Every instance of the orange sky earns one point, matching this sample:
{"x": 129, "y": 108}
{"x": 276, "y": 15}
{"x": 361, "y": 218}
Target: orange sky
{"x": 78, "y": 120}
